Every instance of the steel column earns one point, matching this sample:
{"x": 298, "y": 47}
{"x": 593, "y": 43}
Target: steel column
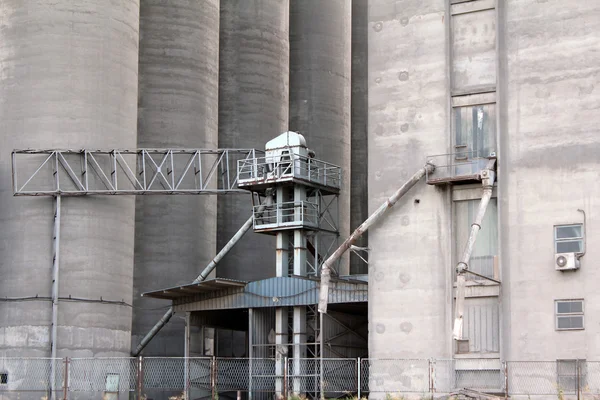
{"x": 55, "y": 276}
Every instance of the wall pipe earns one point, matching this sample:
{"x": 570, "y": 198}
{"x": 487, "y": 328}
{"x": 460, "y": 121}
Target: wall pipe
{"x": 204, "y": 274}
{"x": 373, "y": 218}
{"x": 488, "y": 176}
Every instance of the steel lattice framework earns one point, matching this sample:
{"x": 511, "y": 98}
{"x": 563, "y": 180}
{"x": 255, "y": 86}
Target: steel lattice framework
{"x": 127, "y": 172}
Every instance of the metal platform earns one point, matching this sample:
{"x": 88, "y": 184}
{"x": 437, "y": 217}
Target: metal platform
{"x": 457, "y": 168}
{"x": 257, "y": 174}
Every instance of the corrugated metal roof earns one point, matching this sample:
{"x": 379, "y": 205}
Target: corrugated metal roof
{"x": 272, "y": 292}
{"x": 208, "y": 286}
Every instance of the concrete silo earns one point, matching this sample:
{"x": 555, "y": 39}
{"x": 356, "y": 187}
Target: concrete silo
{"x": 69, "y": 80}
{"x": 178, "y": 108}
{"x": 320, "y": 68}
{"x": 253, "y": 109}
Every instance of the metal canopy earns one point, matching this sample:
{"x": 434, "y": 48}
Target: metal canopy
{"x": 208, "y": 286}
{"x": 272, "y": 292}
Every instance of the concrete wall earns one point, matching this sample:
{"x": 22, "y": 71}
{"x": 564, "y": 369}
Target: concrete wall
{"x": 178, "y": 108}
{"x": 69, "y": 80}
{"x": 549, "y": 168}
{"x": 253, "y": 109}
{"x": 538, "y": 62}
{"x": 410, "y": 263}
{"x": 320, "y": 68}
{"x": 359, "y": 180}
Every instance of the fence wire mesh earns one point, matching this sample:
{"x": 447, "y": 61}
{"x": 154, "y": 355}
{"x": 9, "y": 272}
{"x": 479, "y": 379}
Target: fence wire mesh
{"x": 30, "y": 375}
{"x": 161, "y": 378}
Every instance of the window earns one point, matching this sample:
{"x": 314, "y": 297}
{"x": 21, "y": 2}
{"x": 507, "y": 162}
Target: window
{"x": 483, "y": 257}
{"x": 569, "y": 314}
{"x": 475, "y": 131}
{"x": 568, "y": 238}
{"x": 4, "y": 378}
{"x": 568, "y": 372}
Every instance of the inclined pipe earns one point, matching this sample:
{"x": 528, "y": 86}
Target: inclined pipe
{"x": 204, "y": 274}
{"x": 462, "y": 267}
{"x": 326, "y": 268}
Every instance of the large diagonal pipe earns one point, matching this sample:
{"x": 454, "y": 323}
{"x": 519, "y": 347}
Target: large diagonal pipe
{"x": 373, "y": 218}
{"x": 462, "y": 267}
{"x": 204, "y": 274}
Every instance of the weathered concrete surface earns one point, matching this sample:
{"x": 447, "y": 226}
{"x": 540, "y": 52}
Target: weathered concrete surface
{"x": 178, "y": 108}
{"x": 410, "y": 263}
{"x": 69, "y": 80}
{"x": 550, "y": 150}
{"x": 359, "y": 181}
{"x": 320, "y": 68}
{"x": 253, "y": 109}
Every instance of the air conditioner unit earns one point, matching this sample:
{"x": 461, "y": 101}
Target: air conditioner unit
{"x": 566, "y": 261}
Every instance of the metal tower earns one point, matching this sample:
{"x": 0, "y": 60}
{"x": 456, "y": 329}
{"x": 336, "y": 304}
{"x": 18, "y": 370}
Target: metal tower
{"x": 303, "y": 217}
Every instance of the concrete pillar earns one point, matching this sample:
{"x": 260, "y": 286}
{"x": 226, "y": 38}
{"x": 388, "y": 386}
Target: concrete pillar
{"x": 320, "y": 65}
{"x": 69, "y": 80}
{"x": 178, "y": 107}
{"x": 359, "y": 185}
{"x": 253, "y": 109}
{"x": 281, "y": 342}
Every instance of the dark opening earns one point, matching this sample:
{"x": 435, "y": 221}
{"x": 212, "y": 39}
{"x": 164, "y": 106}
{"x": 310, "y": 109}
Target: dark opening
{"x": 3, "y": 378}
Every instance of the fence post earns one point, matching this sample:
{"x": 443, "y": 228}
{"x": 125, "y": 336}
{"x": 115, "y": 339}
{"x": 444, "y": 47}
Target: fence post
{"x": 359, "y": 365}
{"x": 431, "y": 376}
{"x": 140, "y": 378}
{"x": 505, "y": 368}
{"x": 213, "y": 378}
{"x": 285, "y": 378}
{"x": 66, "y": 379}
{"x": 577, "y": 377}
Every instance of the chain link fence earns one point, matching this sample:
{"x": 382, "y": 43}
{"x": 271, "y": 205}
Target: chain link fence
{"x": 162, "y": 378}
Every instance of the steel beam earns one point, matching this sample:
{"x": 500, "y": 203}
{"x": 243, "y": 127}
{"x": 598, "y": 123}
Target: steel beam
{"x": 127, "y": 172}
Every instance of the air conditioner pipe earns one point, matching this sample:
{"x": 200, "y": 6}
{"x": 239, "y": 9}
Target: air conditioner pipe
{"x": 373, "y": 218}
{"x": 204, "y": 274}
{"x": 488, "y": 176}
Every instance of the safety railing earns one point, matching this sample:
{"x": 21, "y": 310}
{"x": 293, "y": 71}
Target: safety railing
{"x": 300, "y": 214}
{"x": 456, "y": 167}
{"x": 163, "y": 378}
{"x": 270, "y": 169}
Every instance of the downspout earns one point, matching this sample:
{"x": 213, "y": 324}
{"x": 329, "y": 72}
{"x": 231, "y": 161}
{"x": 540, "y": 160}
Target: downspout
{"x": 55, "y": 275}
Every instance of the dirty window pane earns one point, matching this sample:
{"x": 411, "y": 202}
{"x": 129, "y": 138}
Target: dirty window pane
{"x": 568, "y": 231}
{"x": 486, "y": 245}
{"x": 475, "y": 128}
{"x": 569, "y": 246}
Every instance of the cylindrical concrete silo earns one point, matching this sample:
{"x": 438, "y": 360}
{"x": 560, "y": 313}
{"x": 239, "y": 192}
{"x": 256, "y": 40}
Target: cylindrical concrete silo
{"x": 69, "y": 80}
{"x": 320, "y": 67}
{"x": 178, "y": 108}
{"x": 253, "y": 109}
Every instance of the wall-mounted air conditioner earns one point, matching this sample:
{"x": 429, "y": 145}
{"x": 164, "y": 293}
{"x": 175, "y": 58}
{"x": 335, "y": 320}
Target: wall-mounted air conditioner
{"x": 566, "y": 261}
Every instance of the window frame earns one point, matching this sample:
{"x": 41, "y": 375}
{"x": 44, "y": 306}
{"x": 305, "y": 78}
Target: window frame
{"x": 571, "y": 314}
{"x": 558, "y": 240}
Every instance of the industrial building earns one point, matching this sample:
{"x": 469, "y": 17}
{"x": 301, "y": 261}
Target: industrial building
{"x": 151, "y": 135}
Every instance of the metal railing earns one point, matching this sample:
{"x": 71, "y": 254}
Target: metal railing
{"x": 286, "y": 215}
{"x": 179, "y": 378}
{"x": 459, "y": 166}
{"x": 268, "y": 169}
